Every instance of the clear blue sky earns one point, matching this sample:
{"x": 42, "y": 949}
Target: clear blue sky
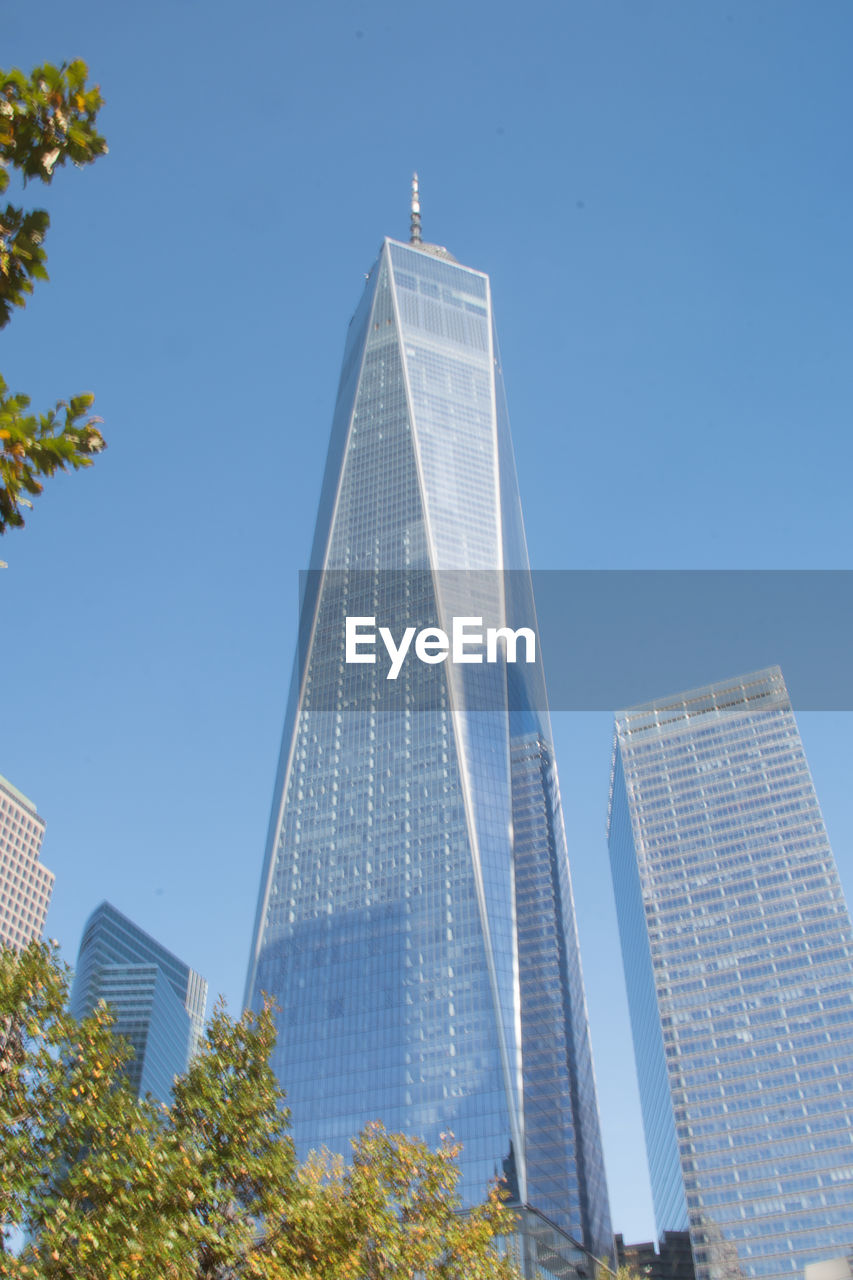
{"x": 661, "y": 193}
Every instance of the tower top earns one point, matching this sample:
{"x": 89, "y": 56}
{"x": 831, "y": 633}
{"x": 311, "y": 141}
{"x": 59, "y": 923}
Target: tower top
{"x": 415, "y": 236}
{"x": 437, "y": 250}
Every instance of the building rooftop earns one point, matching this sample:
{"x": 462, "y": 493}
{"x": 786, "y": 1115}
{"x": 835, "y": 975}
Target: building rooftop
{"x": 18, "y": 795}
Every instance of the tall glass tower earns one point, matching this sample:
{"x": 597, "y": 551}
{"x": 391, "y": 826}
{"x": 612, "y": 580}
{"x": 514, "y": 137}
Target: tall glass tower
{"x": 415, "y": 921}
{"x": 738, "y": 954}
{"x": 158, "y": 1001}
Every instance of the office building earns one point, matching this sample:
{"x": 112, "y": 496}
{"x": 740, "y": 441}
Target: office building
{"x": 738, "y": 956}
{"x": 158, "y": 1001}
{"x": 415, "y": 922}
{"x": 25, "y": 885}
{"x": 671, "y": 1259}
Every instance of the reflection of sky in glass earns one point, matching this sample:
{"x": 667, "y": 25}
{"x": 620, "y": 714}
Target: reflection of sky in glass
{"x": 739, "y": 960}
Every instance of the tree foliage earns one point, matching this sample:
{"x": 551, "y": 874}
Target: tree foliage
{"x": 46, "y": 119}
{"x": 110, "y": 1188}
{"x": 393, "y": 1211}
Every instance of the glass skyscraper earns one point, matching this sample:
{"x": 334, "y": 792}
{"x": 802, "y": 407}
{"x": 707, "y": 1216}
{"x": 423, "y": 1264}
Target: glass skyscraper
{"x": 158, "y": 1001}
{"x": 415, "y": 923}
{"x": 738, "y": 955}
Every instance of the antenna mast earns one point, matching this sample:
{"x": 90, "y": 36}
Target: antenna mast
{"x": 415, "y": 236}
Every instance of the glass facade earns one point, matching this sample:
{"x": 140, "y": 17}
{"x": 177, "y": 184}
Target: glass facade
{"x": 423, "y": 958}
{"x": 738, "y": 956}
{"x": 158, "y": 1002}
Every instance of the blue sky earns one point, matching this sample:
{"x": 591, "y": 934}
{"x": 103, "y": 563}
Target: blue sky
{"x": 661, "y": 193}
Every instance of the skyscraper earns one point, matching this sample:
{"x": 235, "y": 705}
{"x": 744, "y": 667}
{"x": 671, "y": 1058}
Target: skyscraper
{"x": 415, "y": 922}
{"x": 25, "y": 885}
{"x": 158, "y": 1001}
{"x": 738, "y": 954}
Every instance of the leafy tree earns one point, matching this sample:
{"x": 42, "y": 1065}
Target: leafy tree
{"x": 208, "y": 1188}
{"x": 394, "y": 1211}
{"x": 629, "y": 1271}
{"x": 60, "y": 1099}
{"x": 46, "y": 119}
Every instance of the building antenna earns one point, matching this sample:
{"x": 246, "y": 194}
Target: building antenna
{"x": 415, "y": 237}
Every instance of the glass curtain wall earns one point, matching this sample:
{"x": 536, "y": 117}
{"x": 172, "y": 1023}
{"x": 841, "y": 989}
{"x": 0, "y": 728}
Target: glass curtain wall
{"x": 389, "y": 926}
{"x": 738, "y": 957}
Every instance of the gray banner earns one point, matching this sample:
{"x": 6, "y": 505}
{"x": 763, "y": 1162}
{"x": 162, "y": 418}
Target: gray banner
{"x": 607, "y": 639}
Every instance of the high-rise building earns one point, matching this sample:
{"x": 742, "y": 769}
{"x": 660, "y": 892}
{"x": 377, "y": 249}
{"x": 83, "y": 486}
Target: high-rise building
{"x": 738, "y": 954}
{"x": 415, "y": 922}
{"x": 25, "y": 885}
{"x": 158, "y": 1001}
{"x": 672, "y": 1259}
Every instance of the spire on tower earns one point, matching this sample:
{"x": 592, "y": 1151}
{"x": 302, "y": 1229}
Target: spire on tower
{"x": 415, "y": 236}
{"x": 437, "y": 250}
